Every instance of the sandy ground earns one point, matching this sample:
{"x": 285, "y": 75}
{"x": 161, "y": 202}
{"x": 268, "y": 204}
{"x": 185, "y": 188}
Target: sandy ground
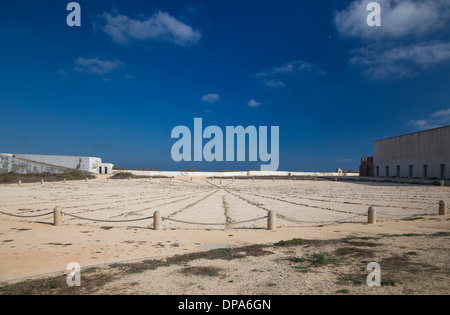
{"x": 33, "y": 247}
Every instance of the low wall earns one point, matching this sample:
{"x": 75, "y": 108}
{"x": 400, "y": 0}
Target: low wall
{"x": 232, "y": 174}
{"x": 11, "y": 164}
{"x": 82, "y": 163}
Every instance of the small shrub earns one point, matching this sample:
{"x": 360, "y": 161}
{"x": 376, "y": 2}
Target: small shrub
{"x": 72, "y": 175}
{"x": 295, "y": 241}
{"x": 343, "y": 291}
{"x": 122, "y": 175}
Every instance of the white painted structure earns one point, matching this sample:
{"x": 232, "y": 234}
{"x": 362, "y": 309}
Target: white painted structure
{"x": 232, "y": 174}
{"x": 105, "y": 168}
{"x": 33, "y": 163}
{"x": 10, "y": 164}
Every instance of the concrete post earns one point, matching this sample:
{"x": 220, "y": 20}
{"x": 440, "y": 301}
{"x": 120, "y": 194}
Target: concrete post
{"x": 272, "y": 220}
{"x": 335, "y": 179}
{"x": 20, "y": 183}
{"x": 273, "y": 179}
{"x": 442, "y": 183}
{"x": 315, "y": 179}
{"x": 42, "y": 182}
{"x": 57, "y": 216}
{"x": 107, "y": 179}
{"x": 64, "y": 180}
{"x": 442, "y": 207}
{"x": 157, "y": 221}
{"x": 372, "y": 215}
{"x": 86, "y": 180}
{"x": 129, "y": 178}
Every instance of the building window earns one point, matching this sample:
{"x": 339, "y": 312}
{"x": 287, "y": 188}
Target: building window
{"x": 443, "y": 171}
{"x": 398, "y": 171}
{"x": 411, "y": 171}
{"x": 387, "y": 171}
{"x": 378, "y": 171}
{"x": 100, "y": 170}
{"x": 425, "y": 170}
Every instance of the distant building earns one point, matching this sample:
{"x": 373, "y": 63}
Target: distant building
{"x": 366, "y": 168}
{"x": 54, "y": 164}
{"x": 424, "y": 154}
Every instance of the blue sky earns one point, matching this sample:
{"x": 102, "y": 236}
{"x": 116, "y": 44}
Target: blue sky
{"x": 116, "y": 86}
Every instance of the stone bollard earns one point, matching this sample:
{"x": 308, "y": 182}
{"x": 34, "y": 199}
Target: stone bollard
{"x": 64, "y": 180}
{"x": 442, "y": 207}
{"x": 86, "y": 180}
{"x": 232, "y": 178}
{"x": 107, "y": 179}
{"x": 273, "y": 179}
{"x": 293, "y": 179}
{"x": 57, "y": 216}
{"x": 191, "y": 179}
{"x": 372, "y": 215}
{"x": 335, "y": 179}
{"x": 20, "y": 183}
{"x": 315, "y": 179}
{"x": 272, "y": 220}
{"x": 129, "y": 178}
{"x": 157, "y": 221}
{"x": 442, "y": 183}
{"x": 42, "y": 182}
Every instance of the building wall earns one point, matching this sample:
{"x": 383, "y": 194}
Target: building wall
{"x": 366, "y": 168}
{"x": 429, "y": 147}
{"x": 11, "y": 164}
{"x": 87, "y": 164}
{"x": 105, "y": 168}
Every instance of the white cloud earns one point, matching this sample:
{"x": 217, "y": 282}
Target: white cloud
{"x": 210, "y": 98}
{"x": 253, "y": 103}
{"x": 96, "y": 65}
{"x": 399, "y": 18}
{"x": 437, "y": 119}
{"x": 160, "y": 26}
{"x": 345, "y": 160}
{"x": 399, "y": 62}
{"x": 274, "y": 83}
{"x": 275, "y": 77}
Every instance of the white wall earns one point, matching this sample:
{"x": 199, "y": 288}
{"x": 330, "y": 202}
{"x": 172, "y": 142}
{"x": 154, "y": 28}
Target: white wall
{"x": 87, "y": 164}
{"x": 231, "y": 174}
{"x": 10, "y": 164}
